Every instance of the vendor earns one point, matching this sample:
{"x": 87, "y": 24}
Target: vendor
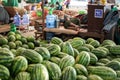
{"x": 4, "y": 17}
{"x": 70, "y": 22}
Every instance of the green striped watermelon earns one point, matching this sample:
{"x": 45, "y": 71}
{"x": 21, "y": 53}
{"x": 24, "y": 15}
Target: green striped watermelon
{"x": 81, "y": 77}
{"x": 39, "y": 72}
{"x": 11, "y": 38}
{"x": 54, "y": 49}
{"x": 4, "y": 73}
{"x": 94, "y": 77}
{"x": 23, "y": 76}
{"x": 56, "y": 40}
{"x": 81, "y": 70}
{"x": 105, "y": 73}
{"x": 3, "y": 41}
{"x": 66, "y": 61}
{"x": 43, "y": 52}
{"x": 83, "y": 58}
{"x": 19, "y": 64}
{"x": 69, "y": 73}
{"x": 67, "y": 48}
{"x": 32, "y": 56}
{"x": 54, "y": 70}
{"x": 6, "y": 56}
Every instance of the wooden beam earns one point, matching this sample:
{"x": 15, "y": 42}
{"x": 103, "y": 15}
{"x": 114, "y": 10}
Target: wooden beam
{"x": 43, "y": 22}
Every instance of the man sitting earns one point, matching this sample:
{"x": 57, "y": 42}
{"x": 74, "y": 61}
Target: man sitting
{"x": 4, "y": 17}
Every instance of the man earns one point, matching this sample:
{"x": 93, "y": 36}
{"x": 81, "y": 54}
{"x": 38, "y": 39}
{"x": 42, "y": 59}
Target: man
{"x": 4, "y": 17}
{"x": 69, "y": 22}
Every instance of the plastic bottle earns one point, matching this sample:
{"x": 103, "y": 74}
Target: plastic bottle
{"x": 50, "y": 23}
{"x": 17, "y": 19}
{"x": 50, "y": 20}
{"x": 57, "y": 22}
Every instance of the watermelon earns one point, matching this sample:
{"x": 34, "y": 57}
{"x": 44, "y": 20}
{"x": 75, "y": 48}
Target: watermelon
{"x": 24, "y": 40}
{"x": 118, "y": 73}
{"x": 4, "y": 73}
{"x": 39, "y": 72}
{"x": 93, "y": 58}
{"x": 83, "y": 58}
{"x": 81, "y": 70}
{"x": 89, "y": 46}
{"x": 108, "y": 42}
{"x": 25, "y": 46}
{"x": 5, "y": 46}
{"x": 95, "y": 43}
{"x": 54, "y": 49}
{"x": 99, "y": 64}
{"x": 55, "y": 60}
{"x": 115, "y": 50}
{"x": 13, "y": 51}
{"x": 76, "y": 43}
{"x": 115, "y": 65}
{"x": 18, "y": 36}
{"x": 11, "y": 33}
{"x": 81, "y": 77}
{"x": 105, "y": 73}
{"x": 3, "y": 41}
{"x": 11, "y": 38}
{"x": 56, "y": 40}
{"x": 32, "y": 56}
{"x": 6, "y": 56}
{"x": 89, "y": 40}
{"x": 19, "y": 64}
{"x": 81, "y": 39}
{"x": 66, "y": 61}
{"x": 43, "y": 52}
{"x": 94, "y": 77}
{"x": 12, "y": 45}
{"x": 19, "y": 51}
{"x": 69, "y": 73}
{"x": 61, "y": 55}
{"x": 83, "y": 48}
{"x": 31, "y": 45}
{"x": 37, "y": 43}
{"x": 23, "y": 76}
{"x": 18, "y": 43}
{"x": 30, "y": 39}
{"x": 100, "y": 53}
{"x": 104, "y": 60}
{"x": 76, "y": 52}
{"x": 54, "y": 70}
{"x": 67, "y": 48}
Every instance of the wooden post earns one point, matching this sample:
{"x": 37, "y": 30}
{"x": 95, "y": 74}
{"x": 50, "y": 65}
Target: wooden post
{"x": 43, "y": 22}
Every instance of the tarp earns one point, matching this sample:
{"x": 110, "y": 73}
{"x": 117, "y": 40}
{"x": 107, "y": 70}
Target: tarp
{"x": 111, "y": 20}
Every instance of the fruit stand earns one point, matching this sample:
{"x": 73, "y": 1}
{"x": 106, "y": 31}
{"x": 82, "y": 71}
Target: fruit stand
{"x": 77, "y": 58}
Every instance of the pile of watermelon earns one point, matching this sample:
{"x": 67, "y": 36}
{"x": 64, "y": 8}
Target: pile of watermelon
{"x": 25, "y": 58}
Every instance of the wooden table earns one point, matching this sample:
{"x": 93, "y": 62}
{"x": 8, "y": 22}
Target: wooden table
{"x": 4, "y": 28}
{"x": 81, "y": 33}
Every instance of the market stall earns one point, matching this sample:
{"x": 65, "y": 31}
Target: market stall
{"x": 25, "y": 57}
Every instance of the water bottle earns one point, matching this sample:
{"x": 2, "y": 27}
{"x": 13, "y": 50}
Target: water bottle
{"x": 50, "y": 21}
{"x": 25, "y": 20}
{"x": 57, "y": 22}
{"x": 17, "y": 20}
